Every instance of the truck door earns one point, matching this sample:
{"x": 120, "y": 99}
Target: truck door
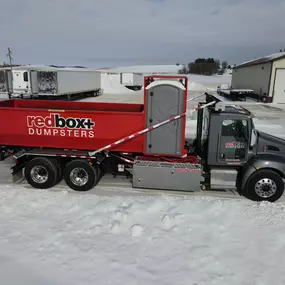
{"x": 233, "y": 141}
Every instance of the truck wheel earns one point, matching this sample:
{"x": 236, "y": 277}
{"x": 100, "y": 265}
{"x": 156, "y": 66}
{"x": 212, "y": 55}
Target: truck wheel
{"x": 99, "y": 173}
{"x": 41, "y": 173}
{"x": 59, "y": 168}
{"x": 59, "y": 173}
{"x": 79, "y": 175}
{"x": 264, "y": 185}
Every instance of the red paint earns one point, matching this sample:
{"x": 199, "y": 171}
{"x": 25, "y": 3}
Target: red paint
{"x": 77, "y": 125}
{"x": 82, "y": 125}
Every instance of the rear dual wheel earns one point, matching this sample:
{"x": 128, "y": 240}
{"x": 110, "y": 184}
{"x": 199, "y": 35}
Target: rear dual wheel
{"x": 44, "y": 173}
{"x": 79, "y": 175}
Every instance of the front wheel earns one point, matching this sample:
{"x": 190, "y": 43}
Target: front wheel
{"x": 264, "y": 185}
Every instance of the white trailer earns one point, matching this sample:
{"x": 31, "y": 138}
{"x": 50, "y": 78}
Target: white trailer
{"x": 132, "y": 80}
{"x": 53, "y": 82}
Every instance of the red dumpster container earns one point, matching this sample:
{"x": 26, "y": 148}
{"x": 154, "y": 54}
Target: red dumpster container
{"x": 70, "y": 125}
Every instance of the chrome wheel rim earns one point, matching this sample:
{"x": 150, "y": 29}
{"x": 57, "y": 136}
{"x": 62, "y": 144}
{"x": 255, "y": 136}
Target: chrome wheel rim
{"x": 78, "y": 176}
{"x": 39, "y": 174}
{"x": 265, "y": 188}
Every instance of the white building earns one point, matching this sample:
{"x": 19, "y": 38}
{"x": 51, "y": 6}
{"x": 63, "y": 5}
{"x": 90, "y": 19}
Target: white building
{"x": 266, "y": 76}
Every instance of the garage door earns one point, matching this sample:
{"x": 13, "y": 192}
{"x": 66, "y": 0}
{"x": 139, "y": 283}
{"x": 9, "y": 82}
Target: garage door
{"x": 279, "y": 87}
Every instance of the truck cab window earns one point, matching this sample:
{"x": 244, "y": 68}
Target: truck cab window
{"x": 25, "y": 75}
{"x": 235, "y": 128}
{"x": 234, "y": 140}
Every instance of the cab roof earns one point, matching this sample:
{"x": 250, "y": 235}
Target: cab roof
{"x": 236, "y": 110}
{"x": 227, "y": 107}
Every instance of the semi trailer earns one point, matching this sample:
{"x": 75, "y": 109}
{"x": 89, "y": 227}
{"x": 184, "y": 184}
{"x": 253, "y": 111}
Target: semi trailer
{"x": 133, "y": 81}
{"x": 49, "y": 82}
{"x": 81, "y": 141}
{"x": 234, "y": 93}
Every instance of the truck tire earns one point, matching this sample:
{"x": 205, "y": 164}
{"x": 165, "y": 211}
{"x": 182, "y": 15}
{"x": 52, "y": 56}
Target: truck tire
{"x": 79, "y": 175}
{"x": 59, "y": 168}
{"x": 59, "y": 173}
{"x": 99, "y": 173}
{"x": 41, "y": 173}
{"x": 264, "y": 185}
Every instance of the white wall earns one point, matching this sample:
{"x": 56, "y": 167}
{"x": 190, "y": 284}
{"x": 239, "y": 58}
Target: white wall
{"x": 276, "y": 64}
{"x": 256, "y": 77}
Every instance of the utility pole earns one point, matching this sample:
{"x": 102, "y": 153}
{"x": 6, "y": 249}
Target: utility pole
{"x": 9, "y": 55}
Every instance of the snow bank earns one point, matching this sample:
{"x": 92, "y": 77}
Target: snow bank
{"x": 146, "y": 69}
{"x": 58, "y": 238}
{"x": 111, "y": 86}
{"x": 196, "y": 86}
{"x": 214, "y": 79}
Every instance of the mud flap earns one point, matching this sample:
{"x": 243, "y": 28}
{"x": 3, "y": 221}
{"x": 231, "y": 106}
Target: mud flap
{"x": 17, "y": 174}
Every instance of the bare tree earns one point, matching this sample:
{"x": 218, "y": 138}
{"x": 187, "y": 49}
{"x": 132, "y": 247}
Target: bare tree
{"x": 224, "y": 65}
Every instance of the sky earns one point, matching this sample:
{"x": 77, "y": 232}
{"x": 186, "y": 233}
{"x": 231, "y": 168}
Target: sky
{"x": 99, "y": 33}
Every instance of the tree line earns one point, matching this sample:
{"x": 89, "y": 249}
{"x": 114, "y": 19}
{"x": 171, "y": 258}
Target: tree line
{"x": 205, "y": 66}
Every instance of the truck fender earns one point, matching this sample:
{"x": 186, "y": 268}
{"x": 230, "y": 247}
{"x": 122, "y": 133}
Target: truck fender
{"x": 266, "y": 161}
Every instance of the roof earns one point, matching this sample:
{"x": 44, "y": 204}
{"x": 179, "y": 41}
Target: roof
{"x": 261, "y": 60}
{"x": 230, "y": 106}
{"x": 145, "y": 69}
{"x": 236, "y": 110}
{"x": 49, "y": 68}
{"x": 169, "y": 82}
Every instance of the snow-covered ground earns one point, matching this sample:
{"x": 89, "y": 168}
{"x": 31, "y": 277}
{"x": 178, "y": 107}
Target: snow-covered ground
{"x": 145, "y": 69}
{"x": 51, "y": 237}
{"x": 215, "y": 80}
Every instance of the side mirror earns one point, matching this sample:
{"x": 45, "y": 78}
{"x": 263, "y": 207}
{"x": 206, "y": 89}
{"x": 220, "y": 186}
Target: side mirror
{"x": 253, "y": 139}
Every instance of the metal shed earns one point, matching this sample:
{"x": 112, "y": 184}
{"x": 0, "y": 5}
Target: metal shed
{"x": 266, "y": 76}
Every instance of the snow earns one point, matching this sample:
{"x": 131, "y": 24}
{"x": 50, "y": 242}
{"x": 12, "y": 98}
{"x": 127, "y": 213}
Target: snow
{"x": 160, "y": 82}
{"x": 111, "y": 86}
{"x": 51, "y": 237}
{"x": 215, "y": 79}
{"x": 268, "y": 118}
{"x": 115, "y": 234}
{"x": 49, "y": 68}
{"x": 265, "y": 58}
{"x": 196, "y": 86}
{"x": 273, "y": 127}
{"x": 145, "y": 69}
